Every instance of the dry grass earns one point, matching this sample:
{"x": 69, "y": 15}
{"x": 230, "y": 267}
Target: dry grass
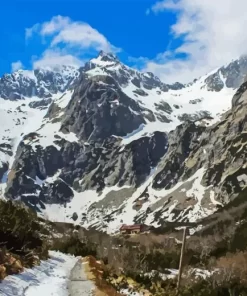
{"x": 149, "y": 240}
{"x": 94, "y": 270}
{"x": 9, "y": 264}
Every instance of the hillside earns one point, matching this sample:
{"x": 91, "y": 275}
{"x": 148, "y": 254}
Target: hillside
{"x": 105, "y": 144}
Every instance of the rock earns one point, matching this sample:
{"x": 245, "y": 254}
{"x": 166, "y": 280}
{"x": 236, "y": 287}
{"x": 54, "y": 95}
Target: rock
{"x": 140, "y": 92}
{"x": 214, "y": 82}
{"x": 195, "y": 117}
{"x": 196, "y": 101}
{"x": 40, "y": 104}
{"x": 234, "y": 75}
{"x": 163, "y": 106}
{"x": 3, "y": 273}
{"x": 75, "y": 216}
{"x": 94, "y": 112}
{"x": 40, "y": 82}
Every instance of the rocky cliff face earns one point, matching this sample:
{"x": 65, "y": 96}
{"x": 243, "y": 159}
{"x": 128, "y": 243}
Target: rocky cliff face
{"x": 113, "y": 145}
{"x": 205, "y": 168}
{"x": 42, "y": 83}
{"x": 99, "y": 109}
{"x": 231, "y": 75}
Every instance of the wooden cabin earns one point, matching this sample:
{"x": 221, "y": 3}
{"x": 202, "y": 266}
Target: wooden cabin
{"x": 133, "y": 229}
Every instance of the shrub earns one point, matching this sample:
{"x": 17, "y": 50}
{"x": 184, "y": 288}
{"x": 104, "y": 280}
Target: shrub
{"x": 72, "y": 245}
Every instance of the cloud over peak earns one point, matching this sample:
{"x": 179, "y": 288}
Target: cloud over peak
{"x": 68, "y": 41}
{"x": 15, "y": 66}
{"x": 211, "y": 34}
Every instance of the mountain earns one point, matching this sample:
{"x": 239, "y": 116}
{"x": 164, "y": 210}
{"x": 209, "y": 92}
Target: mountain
{"x": 106, "y": 144}
{"x": 42, "y": 83}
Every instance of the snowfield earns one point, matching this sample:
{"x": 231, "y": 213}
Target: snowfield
{"x": 49, "y": 279}
{"x": 191, "y": 100}
{"x": 18, "y": 119}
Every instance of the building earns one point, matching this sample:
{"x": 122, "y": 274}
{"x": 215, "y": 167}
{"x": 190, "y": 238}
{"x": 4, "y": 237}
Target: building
{"x": 133, "y": 229}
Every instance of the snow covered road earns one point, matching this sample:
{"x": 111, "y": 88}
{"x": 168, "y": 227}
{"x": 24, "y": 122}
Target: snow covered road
{"x": 51, "y": 278}
{"x": 79, "y": 285}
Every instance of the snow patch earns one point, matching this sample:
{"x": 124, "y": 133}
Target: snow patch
{"x": 197, "y": 191}
{"x": 50, "y": 278}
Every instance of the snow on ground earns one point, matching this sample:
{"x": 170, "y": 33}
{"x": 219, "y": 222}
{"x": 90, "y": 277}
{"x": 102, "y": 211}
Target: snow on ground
{"x": 64, "y": 75}
{"x": 14, "y": 123}
{"x": 82, "y": 201}
{"x": 100, "y": 63}
{"x": 213, "y": 200}
{"x": 201, "y": 273}
{"x": 79, "y": 204}
{"x": 16, "y": 120}
{"x": 197, "y": 190}
{"x": 126, "y": 209}
{"x": 49, "y": 279}
{"x": 192, "y": 99}
{"x": 48, "y": 129}
{"x": 214, "y": 102}
{"x": 62, "y": 100}
{"x": 47, "y": 134}
{"x": 170, "y": 274}
{"x": 173, "y": 273}
{"x": 128, "y": 213}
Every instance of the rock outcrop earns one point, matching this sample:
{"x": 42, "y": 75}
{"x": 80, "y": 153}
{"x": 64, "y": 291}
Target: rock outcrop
{"x": 115, "y": 145}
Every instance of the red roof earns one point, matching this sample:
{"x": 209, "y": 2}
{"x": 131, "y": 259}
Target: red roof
{"x": 131, "y": 227}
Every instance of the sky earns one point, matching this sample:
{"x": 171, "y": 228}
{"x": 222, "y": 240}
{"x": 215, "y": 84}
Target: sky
{"x": 178, "y": 40}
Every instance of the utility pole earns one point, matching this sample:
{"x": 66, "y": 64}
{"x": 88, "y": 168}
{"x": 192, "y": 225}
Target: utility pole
{"x": 181, "y": 260}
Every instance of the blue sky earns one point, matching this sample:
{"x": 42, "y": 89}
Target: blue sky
{"x": 175, "y": 39}
{"x": 123, "y": 22}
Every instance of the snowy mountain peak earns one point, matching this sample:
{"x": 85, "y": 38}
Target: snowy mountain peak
{"x": 229, "y": 76}
{"x": 103, "y": 60}
{"x": 40, "y": 83}
{"x": 115, "y": 139}
{"x": 107, "y": 56}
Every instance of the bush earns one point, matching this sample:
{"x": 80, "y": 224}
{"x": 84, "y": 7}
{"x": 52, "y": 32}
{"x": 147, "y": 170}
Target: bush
{"x": 72, "y": 245}
{"x": 21, "y": 231}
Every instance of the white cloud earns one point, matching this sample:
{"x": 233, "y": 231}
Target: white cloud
{"x": 15, "y": 66}
{"x": 212, "y": 34}
{"x": 137, "y": 63}
{"x": 82, "y": 35}
{"x": 163, "y": 5}
{"x": 68, "y": 41}
{"x": 56, "y": 24}
{"x": 29, "y": 32}
{"x": 54, "y": 58}
{"x": 148, "y": 11}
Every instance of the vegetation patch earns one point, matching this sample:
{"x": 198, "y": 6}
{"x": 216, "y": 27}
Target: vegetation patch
{"x": 22, "y": 238}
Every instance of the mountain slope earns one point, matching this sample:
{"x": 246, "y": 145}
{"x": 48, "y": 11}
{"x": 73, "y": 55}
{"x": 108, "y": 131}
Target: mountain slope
{"x": 42, "y": 83}
{"x": 115, "y": 145}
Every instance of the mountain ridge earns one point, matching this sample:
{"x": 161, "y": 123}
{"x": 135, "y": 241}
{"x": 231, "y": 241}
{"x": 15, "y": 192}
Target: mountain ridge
{"x": 112, "y": 145}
